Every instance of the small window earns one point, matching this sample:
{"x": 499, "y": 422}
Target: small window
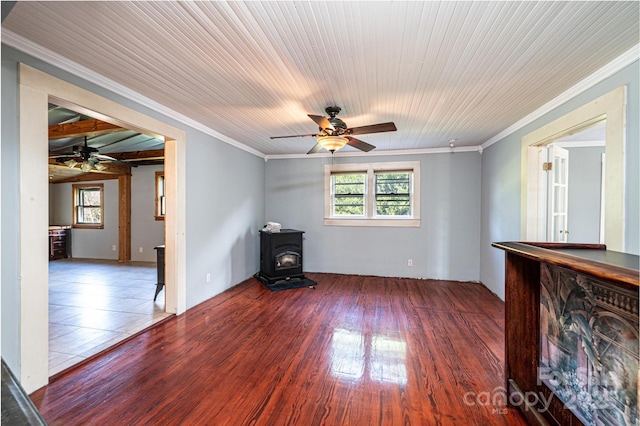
{"x": 373, "y": 194}
{"x": 161, "y": 206}
{"x": 88, "y": 206}
{"x": 348, "y": 194}
{"x": 393, "y": 194}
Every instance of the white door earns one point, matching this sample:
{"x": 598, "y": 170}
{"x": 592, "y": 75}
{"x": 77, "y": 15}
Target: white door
{"x": 558, "y": 194}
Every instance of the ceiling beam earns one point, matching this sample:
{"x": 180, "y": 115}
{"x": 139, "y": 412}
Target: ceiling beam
{"x": 82, "y": 128}
{"x": 84, "y": 177}
{"x": 110, "y": 168}
{"x": 151, "y": 154}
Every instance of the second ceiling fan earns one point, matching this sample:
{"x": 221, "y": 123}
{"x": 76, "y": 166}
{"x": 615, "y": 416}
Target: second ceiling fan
{"x": 334, "y": 133}
{"x": 88, "y": 157}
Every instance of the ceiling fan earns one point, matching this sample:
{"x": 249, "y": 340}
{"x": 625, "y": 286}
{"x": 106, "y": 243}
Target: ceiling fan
{"x": 334, "y": 133}
{"x": 88, "y": 157}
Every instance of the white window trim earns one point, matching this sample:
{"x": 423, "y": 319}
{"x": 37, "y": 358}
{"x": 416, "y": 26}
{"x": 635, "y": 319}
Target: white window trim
{"x": 370, "y": 168}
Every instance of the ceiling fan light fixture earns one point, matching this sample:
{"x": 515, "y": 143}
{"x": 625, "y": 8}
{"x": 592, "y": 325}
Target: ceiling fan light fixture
{"x": 100, "y": 167}
{"x": 71, "y": 163}
{"x": 332, "y": 143}
{"x": 86, "y": 166}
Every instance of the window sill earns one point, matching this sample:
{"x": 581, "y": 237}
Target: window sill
{"x": 403, "y": 223}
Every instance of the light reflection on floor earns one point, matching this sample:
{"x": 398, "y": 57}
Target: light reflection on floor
{"x": 347, "y": 354}
{"x": 352, "y": 352}
{"x": 388, "y": 358}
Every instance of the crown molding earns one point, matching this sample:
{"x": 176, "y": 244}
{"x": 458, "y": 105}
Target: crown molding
{"x": 622, "y": 61}
{"x": 375, "y": 153}
{"x": 26, "y": 46}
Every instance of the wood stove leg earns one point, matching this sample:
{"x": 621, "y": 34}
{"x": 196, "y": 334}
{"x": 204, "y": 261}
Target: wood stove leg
{"x": 158, "y": 289}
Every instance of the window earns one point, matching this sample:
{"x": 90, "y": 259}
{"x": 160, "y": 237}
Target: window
{"x": 348, "y": 194}
{"x": 373, "y": 194}
{"x": 393, "y": 194}
{"x": 88, "y": 206}
{"x": 161, "y": 206}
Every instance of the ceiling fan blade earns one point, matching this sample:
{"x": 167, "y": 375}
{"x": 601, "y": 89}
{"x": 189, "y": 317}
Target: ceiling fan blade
{"x": 292, "y": 136}
{"x": 321, "y": 121}
{"x": 317, "y": 147}
{"x": 373, "y": 128}
{"x": 62, "y": 160}
{"x": 66, "y": 155}
{"x": 361, "y": 145}
{"x": 102, "y": 157}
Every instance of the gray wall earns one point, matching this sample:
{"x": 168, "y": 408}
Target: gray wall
{"x": 146, "y": 231}
{"x": 225, "y": 211}
{"x": 585, "y": 175}
{"x": 500, "y": 210}
{"x": 87, "y": 243}
{"x": 501, "y": 178}
{"x": 9, "y": 267}
{"x": 224, "y": 204}
{"x": 444, "y": 247}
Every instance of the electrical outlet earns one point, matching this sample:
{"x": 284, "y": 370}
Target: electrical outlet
{"x": 410, "y": 262}
{"x": 140, "y": 249}
{"x": 113, "y": 247}
{"x": 208, "y": 277}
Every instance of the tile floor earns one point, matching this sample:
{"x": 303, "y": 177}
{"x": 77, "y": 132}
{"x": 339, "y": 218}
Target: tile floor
{"x": 94, "y": 304}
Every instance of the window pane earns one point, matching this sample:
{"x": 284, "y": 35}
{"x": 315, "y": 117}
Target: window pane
{"x": 348, "y": 190}
{"x": 393, "y": 194}
{"x": 89, "y": 215}
{"x": 161, "y": 185}
{"x": 90, "y": 197}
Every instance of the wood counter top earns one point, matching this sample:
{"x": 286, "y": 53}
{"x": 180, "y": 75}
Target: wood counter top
{"x": 592, "y": 259}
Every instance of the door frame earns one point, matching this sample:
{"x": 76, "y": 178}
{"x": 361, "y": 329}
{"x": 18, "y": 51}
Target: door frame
{"x": 37, "y": 89}
{"x": 610, "y": 107}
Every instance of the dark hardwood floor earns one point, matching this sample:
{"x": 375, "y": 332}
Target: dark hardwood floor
{"x": 357, "y": 350}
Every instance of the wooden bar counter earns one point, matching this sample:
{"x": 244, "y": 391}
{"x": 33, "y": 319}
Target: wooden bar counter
{"x": 571, "y": 333}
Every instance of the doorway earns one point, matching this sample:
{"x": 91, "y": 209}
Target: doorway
{"x": 101, "y": 291}
{"x": 610, "y": 107}
{"x": 37, "y": 90}
{"x": 573, "y": 186}
{"x": 584, "y": 208}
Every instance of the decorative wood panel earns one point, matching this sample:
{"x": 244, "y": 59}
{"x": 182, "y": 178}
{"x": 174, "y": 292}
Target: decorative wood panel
{"x": 589, "y": 345}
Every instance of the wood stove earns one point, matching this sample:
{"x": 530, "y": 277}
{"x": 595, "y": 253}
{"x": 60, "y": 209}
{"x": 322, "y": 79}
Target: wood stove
{"x": 280, "y": 255}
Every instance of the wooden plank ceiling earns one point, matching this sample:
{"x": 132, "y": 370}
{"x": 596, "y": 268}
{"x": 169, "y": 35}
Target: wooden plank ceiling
{"x": 70, "y": 130}
{"x": 250, "y": 70}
